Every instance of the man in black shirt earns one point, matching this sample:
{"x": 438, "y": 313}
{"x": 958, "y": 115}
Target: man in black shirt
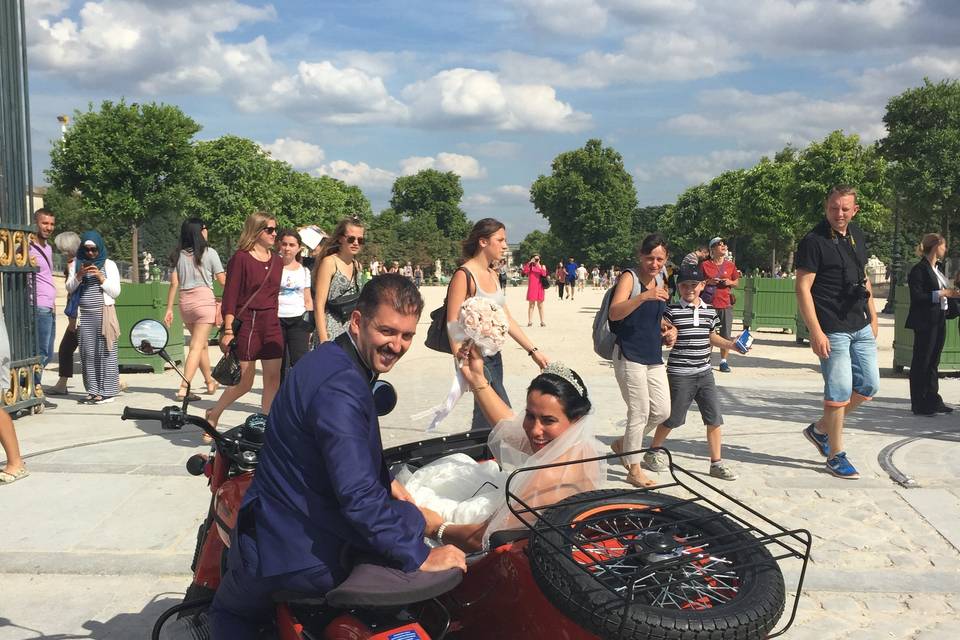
{"x": 835, "y": 300}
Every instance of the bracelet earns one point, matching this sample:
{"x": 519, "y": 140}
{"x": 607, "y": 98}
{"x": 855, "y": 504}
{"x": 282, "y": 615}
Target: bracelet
{"x": 532, "y": 351}
{"x": 475, "y": 389}
{"x": 440, "y": 531}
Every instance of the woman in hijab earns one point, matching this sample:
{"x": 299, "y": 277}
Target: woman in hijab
{"x": 98, "y": 281}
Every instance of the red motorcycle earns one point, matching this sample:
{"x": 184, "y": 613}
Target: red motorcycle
{"x": 608, "y": 564}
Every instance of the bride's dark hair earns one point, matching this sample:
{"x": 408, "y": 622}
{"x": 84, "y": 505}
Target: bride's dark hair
{"x": 575, "y": 405}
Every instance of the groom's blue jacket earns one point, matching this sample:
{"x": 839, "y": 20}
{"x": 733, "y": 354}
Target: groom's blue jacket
{"x": 321, "y": 482}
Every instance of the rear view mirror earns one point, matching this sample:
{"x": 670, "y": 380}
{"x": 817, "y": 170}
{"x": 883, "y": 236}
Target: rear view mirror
{"x": 149, "y": 337}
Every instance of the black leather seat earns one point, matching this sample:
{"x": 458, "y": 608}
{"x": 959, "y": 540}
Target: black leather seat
{"x": 372, "y": 586}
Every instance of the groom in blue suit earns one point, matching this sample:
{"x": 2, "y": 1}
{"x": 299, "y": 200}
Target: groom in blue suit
{"x": 321, "y": 483}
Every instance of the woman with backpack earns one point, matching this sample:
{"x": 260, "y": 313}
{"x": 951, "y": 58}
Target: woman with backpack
{"x": 485, "y": 246}
{"x": 637, "y": 305}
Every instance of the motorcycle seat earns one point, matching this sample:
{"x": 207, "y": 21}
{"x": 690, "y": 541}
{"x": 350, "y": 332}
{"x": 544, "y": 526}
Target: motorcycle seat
{"x": 371, "y": 586}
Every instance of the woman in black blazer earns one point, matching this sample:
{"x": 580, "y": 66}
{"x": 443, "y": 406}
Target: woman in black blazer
{"x": 929, "y": 294}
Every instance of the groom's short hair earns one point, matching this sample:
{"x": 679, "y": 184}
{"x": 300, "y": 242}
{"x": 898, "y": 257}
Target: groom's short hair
{"x": 391, "y": 289}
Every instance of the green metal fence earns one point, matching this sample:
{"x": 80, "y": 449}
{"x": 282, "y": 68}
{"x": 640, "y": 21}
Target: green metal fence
{"x": 903, "y": 337}
{"x": 17, "y": 272}
{"x": 771, "y": 303}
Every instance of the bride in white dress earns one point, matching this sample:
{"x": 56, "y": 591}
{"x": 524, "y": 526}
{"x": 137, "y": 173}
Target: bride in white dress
{"x": 464, "y": 502}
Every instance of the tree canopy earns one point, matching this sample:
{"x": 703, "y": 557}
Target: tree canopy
{"x": 128, "y": 162}
{"x": 589, "y": 201}
{"x": 923, "y": 145}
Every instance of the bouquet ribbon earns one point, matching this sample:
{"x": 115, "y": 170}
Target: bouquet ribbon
{"x": 438, "y": 413}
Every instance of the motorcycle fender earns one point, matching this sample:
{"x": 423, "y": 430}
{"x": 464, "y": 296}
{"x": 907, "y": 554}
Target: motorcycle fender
{"x": 287, "y": 626}
{"x": 227, "y": 504}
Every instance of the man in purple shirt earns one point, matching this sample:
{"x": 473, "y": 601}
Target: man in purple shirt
{"x": 42, "y": 252}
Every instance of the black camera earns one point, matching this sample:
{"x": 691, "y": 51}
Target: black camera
{"x": 856, "y": 291}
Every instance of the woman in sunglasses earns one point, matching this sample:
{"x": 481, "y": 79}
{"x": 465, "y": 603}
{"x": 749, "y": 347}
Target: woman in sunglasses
{"x": 251, "y": 312}
{"x": 336, "y": 282}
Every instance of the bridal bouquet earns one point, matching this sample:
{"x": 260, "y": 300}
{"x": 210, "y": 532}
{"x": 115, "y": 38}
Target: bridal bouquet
{"x": 482, "y": 323}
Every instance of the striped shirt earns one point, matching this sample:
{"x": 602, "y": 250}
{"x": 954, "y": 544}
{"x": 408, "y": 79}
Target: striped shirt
{"x": 691, "y": 352}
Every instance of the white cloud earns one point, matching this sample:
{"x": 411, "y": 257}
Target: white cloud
{"x": 477, "y": 200}
{"x": 467, "y": 167}
{"x": 650, "y": 56}
{"x": 513, "y": 193}
{"x": 298, "y": 153}
{"x": 119, "y": 42}
{"x": 472, "y": 98}
{"x": 580, "y": 18}
{"x": 694, "y": 169}
{"x": 330, "y": 94}
{"x": 360, "y": 174}
{"x": 779, "y": 118}
{"x": 508, "y": 195}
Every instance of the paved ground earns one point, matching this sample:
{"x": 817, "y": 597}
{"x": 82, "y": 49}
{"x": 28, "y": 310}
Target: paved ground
{"x": 98, "y": 540}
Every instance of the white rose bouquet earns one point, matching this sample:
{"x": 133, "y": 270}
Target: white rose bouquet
{"x": 484, "y": 323}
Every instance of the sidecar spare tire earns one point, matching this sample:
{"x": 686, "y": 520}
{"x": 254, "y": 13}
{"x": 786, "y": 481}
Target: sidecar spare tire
{"x": 734, "y": 592}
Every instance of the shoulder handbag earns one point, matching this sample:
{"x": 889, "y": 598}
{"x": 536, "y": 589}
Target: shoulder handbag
{"x": 227, "y": 371}
{"x": 343, "y": 305}
{"x": 437, "y": 336}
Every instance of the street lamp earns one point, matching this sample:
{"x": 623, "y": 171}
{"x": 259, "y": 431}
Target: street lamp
{"x": 894, "y": 261}
{"x": 64, "y": 121}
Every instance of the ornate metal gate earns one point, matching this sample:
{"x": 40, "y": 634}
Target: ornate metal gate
{"x": 16, "y": 185}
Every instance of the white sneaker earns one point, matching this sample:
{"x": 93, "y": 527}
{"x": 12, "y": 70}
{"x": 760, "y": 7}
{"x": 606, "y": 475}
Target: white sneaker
{"x": 656, "y": 461}
{"x": 722, "y": 471}
{"x": 103, "y": 400}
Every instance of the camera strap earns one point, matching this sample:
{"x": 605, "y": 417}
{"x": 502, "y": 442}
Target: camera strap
{"x": 849, "y": 241}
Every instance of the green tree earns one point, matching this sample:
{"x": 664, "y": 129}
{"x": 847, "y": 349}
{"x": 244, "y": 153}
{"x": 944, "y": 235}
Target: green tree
{"x": 544, "y": 243}
{"x": 589, "y": 201}
{"x": 840, "y": 159}
{"x": 765, "y": 211}
{"x": 433, "y": 194}
{"x": 923, "y": 145}
{"x": 646, "y": 220}
{"x": 234, "y": 178}
{"x": 127, "y": 162}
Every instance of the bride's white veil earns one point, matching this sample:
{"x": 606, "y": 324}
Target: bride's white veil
{"x": 510, "y": 446}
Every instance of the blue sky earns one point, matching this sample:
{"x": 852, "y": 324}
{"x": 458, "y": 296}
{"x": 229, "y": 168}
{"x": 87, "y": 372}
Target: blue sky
{"x": 366, "y": 91}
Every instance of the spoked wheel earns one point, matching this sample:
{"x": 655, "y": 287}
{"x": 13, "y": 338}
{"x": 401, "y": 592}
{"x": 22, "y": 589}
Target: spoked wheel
{"x": 688, "y": 572}
{"x": 618, "y": 543}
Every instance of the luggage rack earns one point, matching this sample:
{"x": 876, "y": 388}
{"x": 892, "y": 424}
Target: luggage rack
{"x": 684, "y": 561}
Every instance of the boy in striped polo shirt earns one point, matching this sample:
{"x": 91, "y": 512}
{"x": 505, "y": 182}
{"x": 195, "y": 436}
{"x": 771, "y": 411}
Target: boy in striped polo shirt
{"x": 689, "y": 371}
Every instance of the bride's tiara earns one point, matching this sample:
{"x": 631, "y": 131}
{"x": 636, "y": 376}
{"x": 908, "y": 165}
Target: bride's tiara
{"x": 565, "y": 372}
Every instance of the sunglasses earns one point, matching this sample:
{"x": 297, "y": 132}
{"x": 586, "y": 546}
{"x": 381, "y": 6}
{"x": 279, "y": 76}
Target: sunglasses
{"x": 352, "y": 239}
{"x": 269, "y": 229}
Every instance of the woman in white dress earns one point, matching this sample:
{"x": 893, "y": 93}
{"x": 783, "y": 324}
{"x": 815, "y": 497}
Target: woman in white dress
{"x": 464, "y": 502}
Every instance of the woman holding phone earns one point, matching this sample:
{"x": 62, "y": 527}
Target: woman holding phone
{"x": 535, "y": 273}
{"x": 97, "y": 279}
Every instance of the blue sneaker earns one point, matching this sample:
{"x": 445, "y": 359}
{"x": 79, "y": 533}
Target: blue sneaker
{"x": 724, "y": 367}
{"x": 818, "y": 440}
{"x": 839, "y": 466}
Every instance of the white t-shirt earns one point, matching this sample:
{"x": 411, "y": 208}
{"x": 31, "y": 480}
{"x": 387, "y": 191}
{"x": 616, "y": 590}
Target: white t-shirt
{"x": 292, "y": 284}
{"x": 581, "y": 273}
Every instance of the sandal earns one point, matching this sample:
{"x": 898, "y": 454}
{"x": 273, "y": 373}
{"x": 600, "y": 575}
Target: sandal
{"x": 212, "y": 387}
{"x": 206, "y": 438}
{"x": 87, "y": 400}
{"x": 10, "y": 478}
{"x": 182, "y": 395}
